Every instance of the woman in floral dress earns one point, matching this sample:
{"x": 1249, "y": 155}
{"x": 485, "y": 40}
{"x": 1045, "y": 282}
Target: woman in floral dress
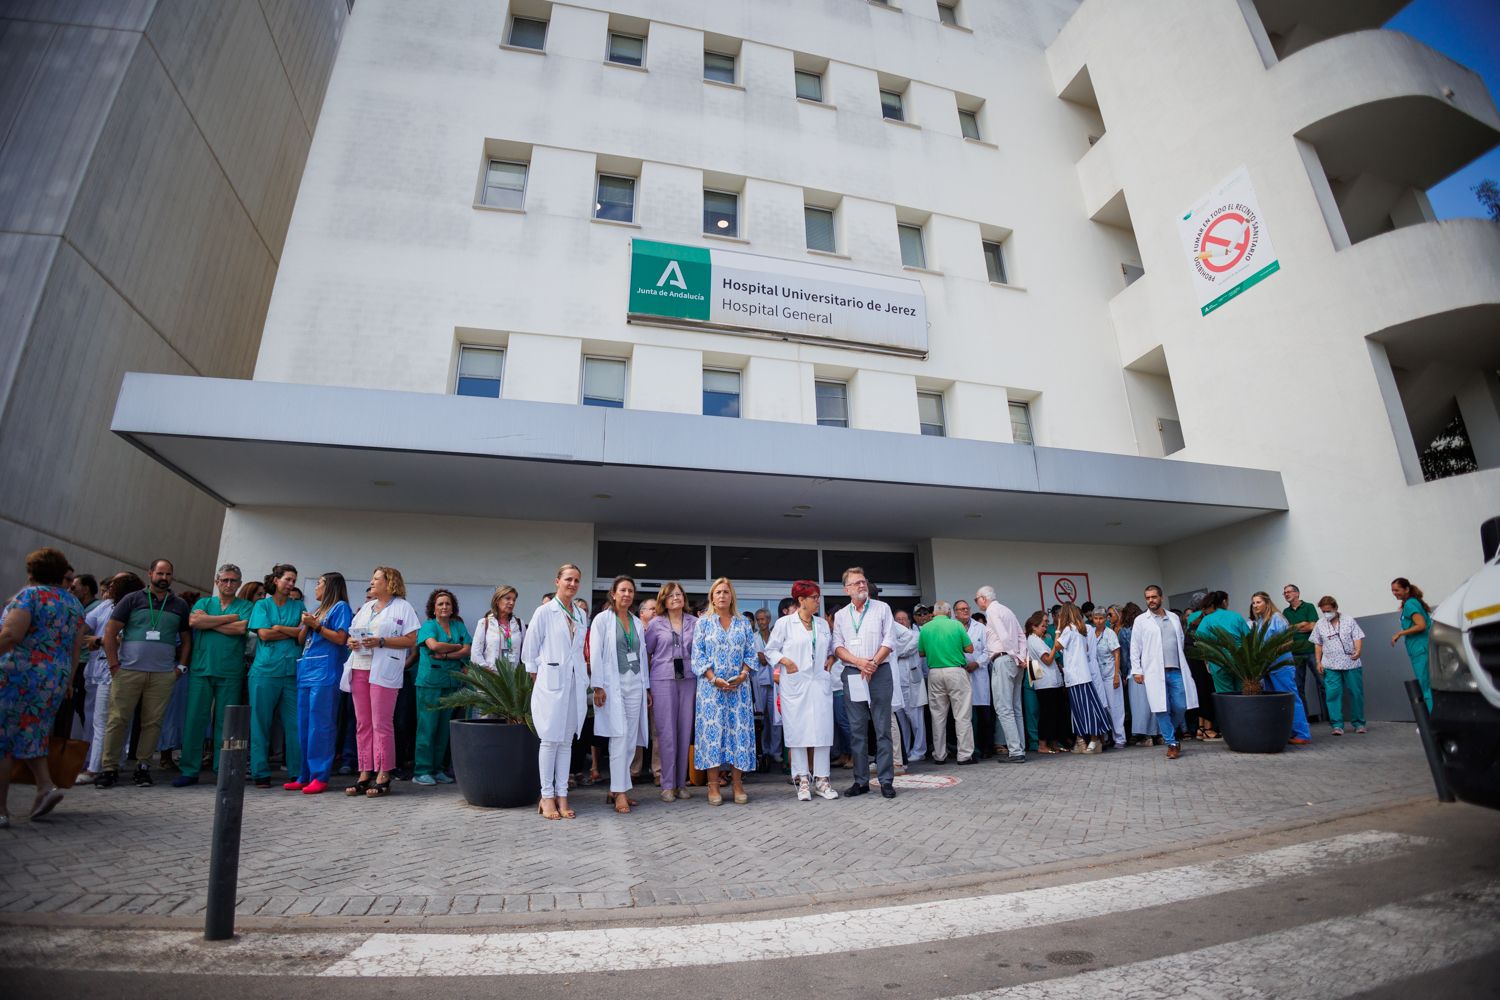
{"x": 39, "y": 641}
{"x": 724, "y": 727}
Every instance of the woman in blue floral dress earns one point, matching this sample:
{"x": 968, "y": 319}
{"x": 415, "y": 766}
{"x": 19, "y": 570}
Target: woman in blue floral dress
{"x": 724, "y": 723}
{"x": 39, "y": 641}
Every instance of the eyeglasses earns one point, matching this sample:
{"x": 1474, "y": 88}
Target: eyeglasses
{"x": 229, "y": 579}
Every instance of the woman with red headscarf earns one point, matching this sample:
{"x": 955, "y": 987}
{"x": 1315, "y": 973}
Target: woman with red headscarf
{"x": 801, "y": 650}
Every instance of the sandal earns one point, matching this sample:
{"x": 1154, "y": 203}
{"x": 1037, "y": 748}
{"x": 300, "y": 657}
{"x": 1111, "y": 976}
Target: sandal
{"x": 379, "y": 788}
{"x": 360, "y": 787}
{"x": 610, "y": 797}
{"x": 622, "y": 804}
{"x": 565, "y": 812}
{"x": 541, "y": 807}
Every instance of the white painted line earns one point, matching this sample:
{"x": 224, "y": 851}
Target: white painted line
{"x": 1322, "y": 961}
{"x": 626, "y": 948}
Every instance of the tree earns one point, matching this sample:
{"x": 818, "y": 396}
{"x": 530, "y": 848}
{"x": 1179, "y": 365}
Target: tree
{"x": 1488, "y": 193}
{"x": 1450, "y": 453}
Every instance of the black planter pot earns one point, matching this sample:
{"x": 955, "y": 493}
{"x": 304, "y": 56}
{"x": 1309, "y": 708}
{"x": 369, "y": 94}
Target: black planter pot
{"x": 1255, "y": 723}
{"x": 495, "y": 762}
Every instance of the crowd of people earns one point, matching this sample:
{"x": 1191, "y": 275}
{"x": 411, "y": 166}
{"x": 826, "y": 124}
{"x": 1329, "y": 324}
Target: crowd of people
{"x": 704, "y": 693}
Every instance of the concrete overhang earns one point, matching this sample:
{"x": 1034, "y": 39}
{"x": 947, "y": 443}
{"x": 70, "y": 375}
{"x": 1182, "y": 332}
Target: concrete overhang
{"x": 269, "y": 444}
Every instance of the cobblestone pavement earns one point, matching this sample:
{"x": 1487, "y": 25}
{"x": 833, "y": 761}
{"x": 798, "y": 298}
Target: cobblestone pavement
{"x": 422, "y": 855}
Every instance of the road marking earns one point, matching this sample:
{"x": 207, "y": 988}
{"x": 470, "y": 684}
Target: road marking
{"x": 649, "y": 947}
{"x": 625, "y": 948}
{"x": 1322, "y": 961}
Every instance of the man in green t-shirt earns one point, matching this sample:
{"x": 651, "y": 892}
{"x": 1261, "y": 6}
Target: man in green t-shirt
{"x": 944, "y": 642}
{"x": 1302, "y": 616}
{"x": 216, "y": 676}
{"x": 147, "y": 643}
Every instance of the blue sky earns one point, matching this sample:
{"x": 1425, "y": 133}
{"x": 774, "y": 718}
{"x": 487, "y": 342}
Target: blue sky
{"x": 1467, "y": 31}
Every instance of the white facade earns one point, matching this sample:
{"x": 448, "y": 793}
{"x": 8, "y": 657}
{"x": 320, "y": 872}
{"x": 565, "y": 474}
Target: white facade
{"x": 1099, "y": 124}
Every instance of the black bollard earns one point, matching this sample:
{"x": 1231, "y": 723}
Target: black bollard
{"x": 229, "y": 809}
{"x": 1429, "y": 741}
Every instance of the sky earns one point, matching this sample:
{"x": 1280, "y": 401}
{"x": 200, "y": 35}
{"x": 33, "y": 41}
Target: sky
{"x": 1468, "y": 32}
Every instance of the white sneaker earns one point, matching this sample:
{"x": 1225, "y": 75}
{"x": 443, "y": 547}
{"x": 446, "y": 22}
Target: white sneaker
{"x": 824, "y": 789}
{"x": 84, "y": 778}
{"x": 804, "y": 793}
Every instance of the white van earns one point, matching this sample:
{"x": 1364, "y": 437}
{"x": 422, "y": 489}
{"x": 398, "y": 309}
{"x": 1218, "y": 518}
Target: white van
{"x": 1464, "y": 656}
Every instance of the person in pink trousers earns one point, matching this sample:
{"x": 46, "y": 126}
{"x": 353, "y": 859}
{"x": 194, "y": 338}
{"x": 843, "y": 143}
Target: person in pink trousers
{"x": 382, "y": 633}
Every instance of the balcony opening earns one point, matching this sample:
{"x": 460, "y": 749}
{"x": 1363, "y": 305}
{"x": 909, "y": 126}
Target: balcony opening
{"x": 1288, "y": 26}
{"x": 1440, "y": 376}
{"x": 1153, "y": 405}
{"x": 1084, "y": 104}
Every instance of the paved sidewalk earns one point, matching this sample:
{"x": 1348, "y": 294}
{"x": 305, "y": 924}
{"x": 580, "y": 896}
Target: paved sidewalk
{"x": 130, "y": 856}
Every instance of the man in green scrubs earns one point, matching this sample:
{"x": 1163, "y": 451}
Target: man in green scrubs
{"x": 1302, "y": 616}
{"x": 216, "y": 678}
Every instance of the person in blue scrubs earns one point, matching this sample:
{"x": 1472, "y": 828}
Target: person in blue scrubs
{"x": 325, "y": 647}
{"x": 1283, "y": 677}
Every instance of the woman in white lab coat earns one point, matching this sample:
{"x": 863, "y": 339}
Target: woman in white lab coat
{"x": 622, "y": 682}
{"x": 800, "y": 651}
{"x": 553, "y": 655}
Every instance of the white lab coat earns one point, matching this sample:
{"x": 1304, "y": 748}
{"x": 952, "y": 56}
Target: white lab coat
{"x": 488, "y": 645}
{"x": 387, "y": 665}
{"x": 912, "y": 685}
{"x": 979, "y": 678}
{"x": 807, "y": 695}
{"x": 559, "y": 698}
{"x": 1146, "y": 661}
{"x": 605, "y": 669}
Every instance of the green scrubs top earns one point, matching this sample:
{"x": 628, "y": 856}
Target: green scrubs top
{"x": 1305, "y": 612}
{"x": 279, "y": 658}
{"x": 214, "y": 653}
{"x": 433, "y": 673}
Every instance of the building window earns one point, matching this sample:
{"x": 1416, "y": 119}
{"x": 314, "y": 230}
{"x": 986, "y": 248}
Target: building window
{"x": 721, "y": 393}
{"x": 528, "y": 33}
{"x": 721, "y": 213}
{"x": 819, "y": 225}
{"x": 1020, "y": 423}
{"x": 810, "y": 86}
{"x": 948, "y": 13}
{"x": 718, "y": 67}
{"x": 479, "y": 371}
{"x": 504, "y": 184}
{"x": 616, "y": 200}
{"x": 891, "y": 106}
{"x": 604, "y": 382}
{"x": 968, "y": 123}
{"x": 912, "y": 254}
{"x": 930, "y": 413}
{"x": 833, "y": 403}
{"x": 994, "y": 261}
{"x": 627, "y": 50}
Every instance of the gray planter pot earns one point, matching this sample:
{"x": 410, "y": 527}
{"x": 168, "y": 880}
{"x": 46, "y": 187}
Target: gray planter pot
{"x": 495, "y": 762}
{"x": 1255, "y": 723}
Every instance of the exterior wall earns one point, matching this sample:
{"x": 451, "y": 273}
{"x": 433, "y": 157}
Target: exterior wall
{"x": 959, "y": 567}
{"x": 1281, "y": 378}
{"x": 389, "y": 249}
{"x": 151, "y": 154}
{"x": 453, "y": 551}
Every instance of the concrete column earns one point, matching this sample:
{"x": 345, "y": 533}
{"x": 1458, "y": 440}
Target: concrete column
{"x": 1479, "y": 403}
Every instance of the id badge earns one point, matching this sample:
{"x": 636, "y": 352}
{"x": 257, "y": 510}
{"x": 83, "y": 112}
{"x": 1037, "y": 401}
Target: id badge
{"x": 152, "y": 635}
{"x": 633, "y": 658}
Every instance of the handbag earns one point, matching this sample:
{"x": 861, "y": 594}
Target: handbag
{"x": 694, "y": 775}
{"x": 65, "y": 757}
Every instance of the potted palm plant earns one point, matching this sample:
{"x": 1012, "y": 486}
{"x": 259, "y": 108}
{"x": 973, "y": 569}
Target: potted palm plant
{"x": 494, "y": 751}
{"x": 1254, "y": 720}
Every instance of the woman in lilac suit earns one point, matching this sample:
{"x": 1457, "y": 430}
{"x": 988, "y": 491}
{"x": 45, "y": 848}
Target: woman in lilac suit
{"x": 669, "y": 646}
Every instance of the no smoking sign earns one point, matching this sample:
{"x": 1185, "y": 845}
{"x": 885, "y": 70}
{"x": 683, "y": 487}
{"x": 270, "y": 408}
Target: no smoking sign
{"x": 1063, "y": 588}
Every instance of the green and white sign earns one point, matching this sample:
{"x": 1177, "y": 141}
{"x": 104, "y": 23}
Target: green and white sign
{"x": 1227, "y": 243}
{"x": 793, "y": 300}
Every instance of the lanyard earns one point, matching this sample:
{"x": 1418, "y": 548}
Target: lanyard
{"x": 506, "y": 629}
{"x": 861, "y": 619}
{"x": 155, "y": 611}
{"x": 812, "y": 629}
{"x": 625, "y": 626}
{"x": 573, "y": 622}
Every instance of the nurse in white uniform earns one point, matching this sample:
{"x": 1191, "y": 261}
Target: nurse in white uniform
{"x": 621, "y": 681}
{"x": 801, "y": 651}
{"x": 553, "y": 655}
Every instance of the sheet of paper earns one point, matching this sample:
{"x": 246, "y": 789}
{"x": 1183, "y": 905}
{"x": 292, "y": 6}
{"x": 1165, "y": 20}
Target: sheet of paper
{"x": 859, "y": 688}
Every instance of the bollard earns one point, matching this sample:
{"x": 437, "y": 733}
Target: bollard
{"x": 229, "y": 809}
{"x": 1429, "y": 742}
